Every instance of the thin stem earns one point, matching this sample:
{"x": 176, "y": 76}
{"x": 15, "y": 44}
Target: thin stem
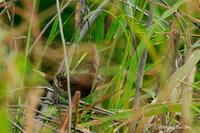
{"x": 140, "y": 72}
{"x": 66, "y": 63}
{"x": 91, "y": 20}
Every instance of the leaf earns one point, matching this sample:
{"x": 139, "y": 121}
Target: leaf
{"x": 114, "y": 27}
{"x": 4, "y": 122}
{"x": 196, "y": 45}
{"x": 173, "y": 9}
{"x": 134, "y": 115}
{"x": 180, "y": 74}
{"x": 99, "y": 30}
{"x": 53, "y": 32}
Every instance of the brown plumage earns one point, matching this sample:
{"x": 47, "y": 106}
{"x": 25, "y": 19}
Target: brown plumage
{"x": 81, "y": 82}
{"x": 78, "y": 82}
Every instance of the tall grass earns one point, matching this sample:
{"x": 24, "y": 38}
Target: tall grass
{"x": 149, "y": 61}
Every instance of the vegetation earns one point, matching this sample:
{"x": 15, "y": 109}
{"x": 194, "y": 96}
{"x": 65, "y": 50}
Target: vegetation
{"x": 143, "y": 58}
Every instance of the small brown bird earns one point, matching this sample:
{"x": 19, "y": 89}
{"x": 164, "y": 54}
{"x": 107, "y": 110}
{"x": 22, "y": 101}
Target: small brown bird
{"x": 81, "y": 82}
{"x": 78, "y": 82}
